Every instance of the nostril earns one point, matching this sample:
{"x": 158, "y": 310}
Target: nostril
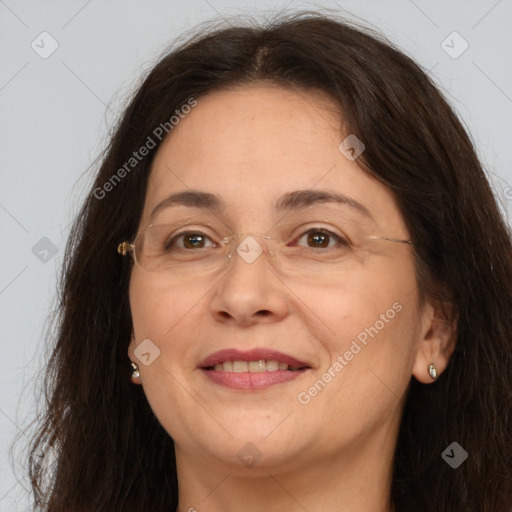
{"x": 264, "y": 312}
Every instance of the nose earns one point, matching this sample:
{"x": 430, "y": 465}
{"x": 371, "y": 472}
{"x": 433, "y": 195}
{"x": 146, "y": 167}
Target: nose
{"x": 250, "y": 292}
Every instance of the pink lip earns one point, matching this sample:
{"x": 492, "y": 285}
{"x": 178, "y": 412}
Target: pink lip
{"x": 249, "y": 380}
{"x": 256, "y": 354}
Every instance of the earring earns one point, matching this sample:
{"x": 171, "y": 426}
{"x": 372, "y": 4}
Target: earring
{"x": 432, "y": 370}
{"x": 135, "y": 372}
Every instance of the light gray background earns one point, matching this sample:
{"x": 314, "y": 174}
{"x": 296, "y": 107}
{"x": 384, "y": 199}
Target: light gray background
{"x": 55, "y": 115}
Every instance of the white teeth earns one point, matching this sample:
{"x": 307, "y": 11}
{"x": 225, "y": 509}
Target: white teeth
{"x": 240, "y": 366}
{"x": 258, "y": 366}
{"x": 272, "y": 365}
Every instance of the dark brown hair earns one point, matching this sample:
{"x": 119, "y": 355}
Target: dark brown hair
{"x": 113, "y": 455}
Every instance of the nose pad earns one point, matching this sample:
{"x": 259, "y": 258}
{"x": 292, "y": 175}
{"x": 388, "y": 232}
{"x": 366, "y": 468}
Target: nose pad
{"x": 250, "y": 246}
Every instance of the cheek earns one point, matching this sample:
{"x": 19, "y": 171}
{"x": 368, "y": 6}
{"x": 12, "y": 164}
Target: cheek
{"x": 357, "y": 302}
{"x": 367, "y": 327}
{"x": 371, "y": 357}
{"x": 168, "y": 317}
{"x": 158, "y": 309}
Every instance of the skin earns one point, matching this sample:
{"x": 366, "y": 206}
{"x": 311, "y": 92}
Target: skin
{"x": 249, "y": 145}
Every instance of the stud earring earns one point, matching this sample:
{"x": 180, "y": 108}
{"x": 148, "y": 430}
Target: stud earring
{"x": 433, "y": 371}
{"x": 135, "y": 372}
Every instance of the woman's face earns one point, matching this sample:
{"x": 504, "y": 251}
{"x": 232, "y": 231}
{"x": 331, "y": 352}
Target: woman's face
{"x": 349, "y": 318}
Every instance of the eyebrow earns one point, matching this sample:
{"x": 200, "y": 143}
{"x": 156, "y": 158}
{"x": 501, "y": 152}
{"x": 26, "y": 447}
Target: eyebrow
{"x": 292, "y": 200}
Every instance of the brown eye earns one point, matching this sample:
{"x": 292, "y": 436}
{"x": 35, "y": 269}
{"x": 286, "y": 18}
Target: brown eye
{"x": 189, "y": 240}
{"x": 320, "y": 239}
{"x": 194, "y": 241}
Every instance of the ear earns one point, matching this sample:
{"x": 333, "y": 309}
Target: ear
{"x": 131, "y": 355}
{"x": 437, "y": 341}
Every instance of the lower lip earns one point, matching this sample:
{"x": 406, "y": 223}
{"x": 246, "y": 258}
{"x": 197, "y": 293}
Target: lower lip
{"x": 252, "y": 381}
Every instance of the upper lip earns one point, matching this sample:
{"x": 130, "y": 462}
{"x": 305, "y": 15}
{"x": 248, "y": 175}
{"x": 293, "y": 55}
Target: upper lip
{"x": 256, "y": 354}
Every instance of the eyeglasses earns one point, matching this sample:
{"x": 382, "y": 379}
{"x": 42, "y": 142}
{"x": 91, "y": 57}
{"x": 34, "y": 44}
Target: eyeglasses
{"x": 290, "y": 248}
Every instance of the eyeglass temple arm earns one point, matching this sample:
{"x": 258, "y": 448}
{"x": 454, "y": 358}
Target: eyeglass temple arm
{"x": 388, "y": 239}
{"x": 124, "y": 248}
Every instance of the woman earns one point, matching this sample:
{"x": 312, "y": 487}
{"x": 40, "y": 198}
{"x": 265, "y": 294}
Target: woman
{"x": 289, "y": 289}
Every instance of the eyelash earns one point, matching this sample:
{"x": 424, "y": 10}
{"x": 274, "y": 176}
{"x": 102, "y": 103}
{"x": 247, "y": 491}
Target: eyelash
{"x": 339, "y": 239}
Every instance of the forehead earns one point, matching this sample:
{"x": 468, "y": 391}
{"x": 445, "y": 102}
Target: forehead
{"x": 251, "y": 145}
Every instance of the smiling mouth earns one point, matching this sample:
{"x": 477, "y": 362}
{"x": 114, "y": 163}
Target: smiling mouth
{"x": 252, "y": 370}
{"x": 257, "y": 366}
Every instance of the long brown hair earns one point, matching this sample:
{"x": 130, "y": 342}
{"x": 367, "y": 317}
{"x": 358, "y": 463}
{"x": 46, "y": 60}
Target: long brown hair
{"x": 112, "y": 454}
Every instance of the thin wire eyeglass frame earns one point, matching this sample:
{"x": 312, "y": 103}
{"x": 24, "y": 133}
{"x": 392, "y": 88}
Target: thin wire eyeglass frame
{"x": 126, "y": 247}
